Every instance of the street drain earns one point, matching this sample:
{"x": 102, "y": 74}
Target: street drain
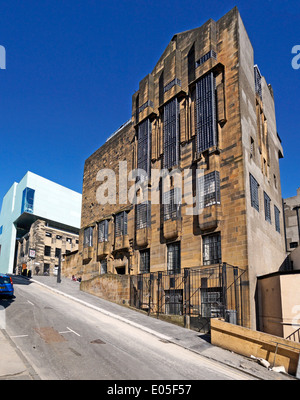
{"x": 97, "y": 341}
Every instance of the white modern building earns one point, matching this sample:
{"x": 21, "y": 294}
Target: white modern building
{"x": 35, "y": 197}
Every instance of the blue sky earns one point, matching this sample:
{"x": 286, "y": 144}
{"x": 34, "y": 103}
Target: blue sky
{"x": 73, "y": 65}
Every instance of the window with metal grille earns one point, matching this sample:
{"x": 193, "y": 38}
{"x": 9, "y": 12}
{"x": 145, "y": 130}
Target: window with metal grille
{"x": 207, "y": 56}
{"x": 173, "y": 258}
{"x": 277, "y": 218}
{"x": 103, "y": 231}
{"x": 211, "y": 302}
{"x": 212, "y": 249}
{"x": 144, "y": 261}
{"x": 267, "y": 202}
{"x": 257, "y": 81}
{"x": 206, "y": 118}
{"x": 144, "y": 141}
{"x": 143, "y": 215}
{"x": 88, "y": 237}
{"x": 209, "y": 189}
{"x": 171, "y": 133}
{"x": 171, "y": 204}
{"x": 169, "y": 85}
{"x": 254, "y": 192}
{"x": 121, "y": 224}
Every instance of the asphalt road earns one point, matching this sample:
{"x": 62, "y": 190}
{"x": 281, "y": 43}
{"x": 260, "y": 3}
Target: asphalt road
{"x": 64, "y": 340}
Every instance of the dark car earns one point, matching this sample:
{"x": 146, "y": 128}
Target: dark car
{"x": 6, "y": 285}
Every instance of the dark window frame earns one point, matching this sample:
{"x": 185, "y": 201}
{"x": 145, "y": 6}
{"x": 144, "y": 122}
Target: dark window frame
{"x": 172, "y": 204}
{"x": 47, "y": 251}
{"x": 206, "y": 113}
{"x": 57, "y": 252}
{"x": 173, "y": 258}
{"x": 267, "y": 206}
{"x": 88, "y": 237}
{"x": 144, "y": 146}
{"x": 121, "y": 222}
{"x": 209, "y": 192}
{"x": 143, "y": 215}
{"x": 103, "y": 231}
{"x": 254, "y": 192}
{"x": 277, "y": 218}
{"x": 171, "y": 133}
{"x": 211, "y": 245}
{"x": 144, "y": 261}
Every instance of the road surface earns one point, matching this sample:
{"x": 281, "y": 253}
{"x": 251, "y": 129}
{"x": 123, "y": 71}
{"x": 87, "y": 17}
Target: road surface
{"x": 65, "y": 340}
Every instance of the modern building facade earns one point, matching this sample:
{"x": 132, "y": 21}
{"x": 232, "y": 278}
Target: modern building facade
{"x": 205, "y": 118}
{"x": 35, "y": 198}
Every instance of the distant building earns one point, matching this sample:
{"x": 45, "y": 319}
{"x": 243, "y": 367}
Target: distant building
{"x": 292, "y": 221}
{"x": 204, "y": 107}
{"x": 43, "y": 247}
{"x": 35, "y": 198}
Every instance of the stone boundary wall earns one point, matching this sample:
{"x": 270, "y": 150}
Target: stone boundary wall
{"x": 111, "y": 287}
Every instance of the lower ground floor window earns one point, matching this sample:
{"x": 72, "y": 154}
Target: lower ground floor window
{"x": 174, "y": 301}
{"x": 145, "y": 261}
{"x": 173, "y": 258}
{"x": 211, "y": 249}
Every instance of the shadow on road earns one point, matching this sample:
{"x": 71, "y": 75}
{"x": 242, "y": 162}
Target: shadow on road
{"x": 20, "y": 280}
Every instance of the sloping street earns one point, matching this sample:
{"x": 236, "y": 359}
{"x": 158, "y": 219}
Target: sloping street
{"x": 63, "y": 339}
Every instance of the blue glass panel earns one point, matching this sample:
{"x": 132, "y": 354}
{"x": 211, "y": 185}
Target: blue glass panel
{"x": 28, "y": 200}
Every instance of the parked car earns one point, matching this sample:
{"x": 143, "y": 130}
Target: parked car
{"x": 6, "y": 285}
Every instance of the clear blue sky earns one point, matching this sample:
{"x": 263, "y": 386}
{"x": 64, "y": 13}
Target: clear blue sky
{"x": 73, "y": 65}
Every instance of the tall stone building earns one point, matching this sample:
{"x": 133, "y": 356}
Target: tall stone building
{"x": 205, "y": 116}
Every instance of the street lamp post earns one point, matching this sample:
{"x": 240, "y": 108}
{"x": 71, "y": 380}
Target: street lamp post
{"x": 59, "y": 269}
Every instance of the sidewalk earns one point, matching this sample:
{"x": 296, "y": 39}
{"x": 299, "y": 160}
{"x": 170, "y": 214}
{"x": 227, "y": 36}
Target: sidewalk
{"x": 13, "y": 366}
{"x": 191, "y": 340}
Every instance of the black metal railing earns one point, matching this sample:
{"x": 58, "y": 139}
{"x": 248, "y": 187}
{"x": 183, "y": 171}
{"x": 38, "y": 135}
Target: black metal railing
{"x": 295, "y": 336}
{"x": 201, "y": 293}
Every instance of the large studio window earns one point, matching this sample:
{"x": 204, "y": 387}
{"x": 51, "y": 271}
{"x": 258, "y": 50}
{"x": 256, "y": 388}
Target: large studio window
{"x": 206, "y": 115}
{"x": 171, "y": 133}
{"x": 88, "y": 237}
{"x": 121, "y": 224}
{"x": 209, "y": 189}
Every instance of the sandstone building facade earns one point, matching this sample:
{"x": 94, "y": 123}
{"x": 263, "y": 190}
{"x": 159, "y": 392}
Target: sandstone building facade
{"x": 205, "y": 115}
{"x": 41, "y": 250}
